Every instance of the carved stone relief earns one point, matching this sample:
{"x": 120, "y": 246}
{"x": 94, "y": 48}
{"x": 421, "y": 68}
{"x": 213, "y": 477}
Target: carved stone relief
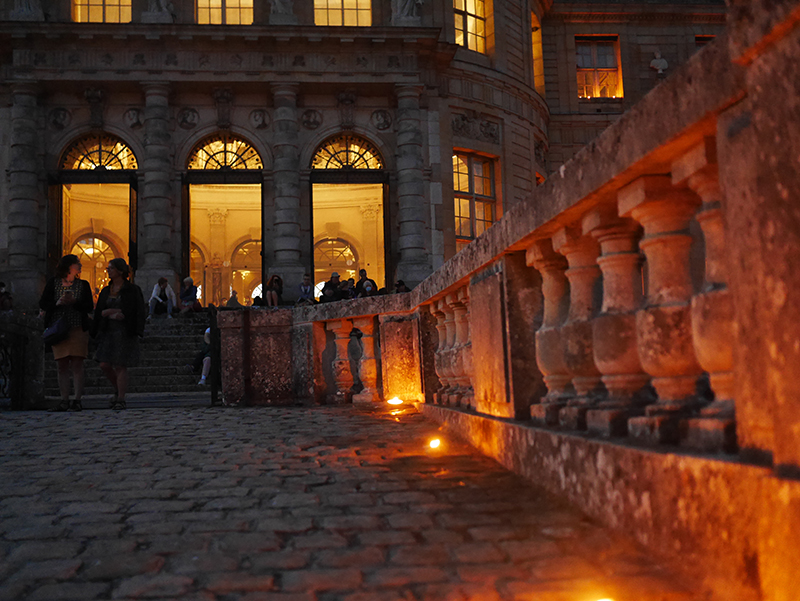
{"x": 381, "y": 119}
{"x": 59, "y": 118}
{"x": 347, "y": 106}
{"x": 133, "y": 118}
{"x": 259, "y": 119}
{"x": 224, "y": 98}
{"x": 188, "y": 118}
{"x": 95, "y": 98}
{"x": 476, "y": 128}
{"x": 311, "y": 119}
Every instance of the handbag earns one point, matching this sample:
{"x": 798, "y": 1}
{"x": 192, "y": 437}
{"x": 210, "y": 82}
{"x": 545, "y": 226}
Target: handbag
{"x": 57, "y": 332}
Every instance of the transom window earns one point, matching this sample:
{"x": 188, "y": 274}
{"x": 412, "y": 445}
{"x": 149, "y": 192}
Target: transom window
{"x": 99, "y": 152}
{"x": 94, "y": 254}
{"x": 101, "y": 11}
{"x": 470, "y": 20}
{"x": 473, "y": 185}
{"x": 347, "y": 152}
{"x": 343, "y": 12}
{"x": 225, "y": 12}
{"x": 224, "y": 152}
{"x": 598, "y": 67}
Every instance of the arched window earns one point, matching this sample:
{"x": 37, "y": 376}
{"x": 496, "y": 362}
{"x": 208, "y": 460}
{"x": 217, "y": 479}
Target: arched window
{"x": 99, "y": 152}
{"x": 223, "y": 151}
{"x": 94, "y": 254}
{"x": 246, "y": 269}
{"x": 197, "y": 269}
{"x": 333, "y": 255}
{"x": 345, "y": 151}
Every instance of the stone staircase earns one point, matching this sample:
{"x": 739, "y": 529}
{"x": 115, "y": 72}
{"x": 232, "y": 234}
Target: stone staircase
{"x": 167, "y": 347}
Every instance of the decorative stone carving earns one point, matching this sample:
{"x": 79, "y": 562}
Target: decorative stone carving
{"x": 341, "y": 363}
{"x": 59, "y": 118}
{"x": 406, "y": 12}
{"x": 281, "y": 12}
{"x": 478, "y": 129}
{"x": 381, "y": 119}
{"x": 223, "y": 97}
{"x": 368, "y": 366}
{"x": 663, "y": 326}
{"x": 158, "y": 11}
{"x": 549, "y": 341}
{"x": 311, "y": 119}
{"x": 188, "y": 118}
{"x": 659, "y": 63}
{"x": 27, "y": 10}
{"x": 539, "y": 152}
{"x": 133, "y": 118}
{"x": 95, "y": 98}
{"x": 259, "y": 119}
{"x": 347, "y": 106}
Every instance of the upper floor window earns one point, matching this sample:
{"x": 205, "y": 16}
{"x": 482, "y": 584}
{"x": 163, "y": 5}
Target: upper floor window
{"x": 344, "y": 151}
{"x": 470, "y": 19}
{"x": 225, "y": 12}
{"x": 474, "y": 193}
{"x": 597, "y": 60}
{"x": 102, "y": 152}
{"x": 223, "y": 151}
{"x": 343, "y": 12}
{"x": 101, "y": 11}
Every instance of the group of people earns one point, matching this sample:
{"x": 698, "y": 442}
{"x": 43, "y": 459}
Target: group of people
{"x": 336, "y": 290}
{"x": 116, "y": 320}
{"x": 163, "y": 300}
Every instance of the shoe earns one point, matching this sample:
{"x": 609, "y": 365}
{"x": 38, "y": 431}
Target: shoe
{"x": 112, "y": 401}
{"x": 202, "y": 382}
{"x": 62, "y": 406}
{"x": 169, "y": 316}
{"x": 119, "y": 405}
{"x": 149, "y": 317}
{"x": 76, "y": 406}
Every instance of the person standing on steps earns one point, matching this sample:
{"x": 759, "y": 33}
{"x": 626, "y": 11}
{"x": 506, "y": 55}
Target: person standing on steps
{"x": 67, "y": 296}
{"x": 118, "y": 324}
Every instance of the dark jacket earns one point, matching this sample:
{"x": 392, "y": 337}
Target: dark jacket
{"x": 132, "y": 305}
{"x": 47, "y": 302}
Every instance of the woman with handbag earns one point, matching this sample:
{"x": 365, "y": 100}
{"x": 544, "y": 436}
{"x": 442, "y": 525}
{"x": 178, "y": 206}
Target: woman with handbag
{"x": 118, "y": 323}
{"x": 67, "y": 303}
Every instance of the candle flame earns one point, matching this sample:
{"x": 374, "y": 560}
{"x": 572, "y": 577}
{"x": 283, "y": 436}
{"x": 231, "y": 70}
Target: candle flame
{"x": 435, "y": 443}
{"x": 395, "y": 401}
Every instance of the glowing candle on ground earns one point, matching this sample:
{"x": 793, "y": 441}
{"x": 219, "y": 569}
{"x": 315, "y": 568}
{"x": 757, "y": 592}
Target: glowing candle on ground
{"x": 435, "y": 443}
{"x": 395, "y": 401}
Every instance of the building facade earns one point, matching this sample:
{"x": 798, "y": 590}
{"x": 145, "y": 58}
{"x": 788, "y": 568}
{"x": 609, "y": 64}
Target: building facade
{"x": 232, "y": 142}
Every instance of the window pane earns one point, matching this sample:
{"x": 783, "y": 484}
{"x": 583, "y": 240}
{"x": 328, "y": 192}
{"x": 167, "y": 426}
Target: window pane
{"x": 606, "y": 56}
{"x": 458, "y": 4}
{"x": 583, "y": 55}
{"x": 607, "y": 83}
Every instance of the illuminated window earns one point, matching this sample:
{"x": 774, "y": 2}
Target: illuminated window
{"x": 597, "y": 60}
{"x": 101, "y": 11}
{"x": 473, "y": 185}
{"x": 224, "y": 152}
{"x": 333, "y": 255}
{"x": 225, "y": 12}
{"x": 347, "y": 152}
{"x": 94, "y": 254}
{"x": 343, "y": 12}
{"x": 538, "y": 54}
{"x": 99, "y": 152}
{"x": 470, "y": 18}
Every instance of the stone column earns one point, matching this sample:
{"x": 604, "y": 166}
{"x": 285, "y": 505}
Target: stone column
{"x": 663, "y": 326}
{"x": 368, "y": 367}
{"x": 549, "y": 342}
{"x": 414, "y": 264}
{"x": 712, "y": 309}
{"x": 156, "y": 198}
{"x": 341, "y": 363}
{"x": 614, "y": 329}
{"x": 24, "y": 197}
{"x": 286, "y": 183}
{"x": 583, "y": 274}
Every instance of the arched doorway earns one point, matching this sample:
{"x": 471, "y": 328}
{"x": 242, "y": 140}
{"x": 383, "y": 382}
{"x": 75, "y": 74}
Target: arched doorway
{"x": 246, "y": 269}
{"x": 349, "y": 184}
{"x": 93, "y": 202}
{"x": 94, "y": 253}
{"x": 222, "y": 207}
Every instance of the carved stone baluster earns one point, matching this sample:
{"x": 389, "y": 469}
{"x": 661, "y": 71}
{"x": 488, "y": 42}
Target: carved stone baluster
{"x": 712, "y": 309}
{"x": 549, "y": 343}
{"x": 341, "y": 363}
{"x": 368, "y": 366}
{"x": 664, "y": 325}
{"x": 466, "y": 351}
{"x": 440, "y": 363}
{"x": 462, "y": 350}
{"x": 583, "y": 274}
{"x": 614, "y": 330}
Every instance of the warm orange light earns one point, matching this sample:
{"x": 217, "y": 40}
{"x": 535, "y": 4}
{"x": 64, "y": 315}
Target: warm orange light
{"x": 395, "y": 401}
{"x": 435, "y": 443}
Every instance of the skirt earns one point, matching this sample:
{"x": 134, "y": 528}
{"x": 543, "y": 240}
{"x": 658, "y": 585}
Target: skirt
{"x": 114, "y": 346}
{"x": 76, "y": 345}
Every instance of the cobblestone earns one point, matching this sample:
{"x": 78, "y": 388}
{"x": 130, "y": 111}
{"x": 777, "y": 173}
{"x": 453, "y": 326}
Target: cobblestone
{"x": 290, "y": 504}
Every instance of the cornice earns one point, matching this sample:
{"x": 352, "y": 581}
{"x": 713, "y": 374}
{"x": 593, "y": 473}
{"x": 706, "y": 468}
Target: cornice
{"x": 717, "y": 18}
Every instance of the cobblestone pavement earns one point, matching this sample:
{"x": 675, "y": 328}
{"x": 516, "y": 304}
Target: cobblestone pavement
{"x": 289, "y": 504}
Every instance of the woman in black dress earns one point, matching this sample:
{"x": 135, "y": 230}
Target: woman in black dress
{"x": 68, "y": 296}
{"x": 274, "y": 291}
{"x": 118, "y": 323}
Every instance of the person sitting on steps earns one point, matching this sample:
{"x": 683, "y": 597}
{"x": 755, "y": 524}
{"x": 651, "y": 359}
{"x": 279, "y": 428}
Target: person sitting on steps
{"x": 162, "y": 300}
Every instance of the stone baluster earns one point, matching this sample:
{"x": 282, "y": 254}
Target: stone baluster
{"x": 286, "y": 182}
{"x": 155, "y": 214}
{"x": 614, "y": 329}
{"x": 368, "y": 366}
{"x": 468, "y": 400}
{"x": 24, "y": 195}
{"x": 584, "y": 277}
{"x": 438, "y": 314}
{"x": 461, "y": 350}
{"x": 449, "y": 369}
{"x": 712, "y": 309}
{"x": 663, "y": 325}
{"x": 549, "y": 343}
{"x": 414, "y": 263}
{"x": 341, "y": 363}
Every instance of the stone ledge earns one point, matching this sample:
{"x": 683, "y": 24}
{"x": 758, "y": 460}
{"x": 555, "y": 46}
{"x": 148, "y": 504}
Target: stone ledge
{"x": 736, "y": 520}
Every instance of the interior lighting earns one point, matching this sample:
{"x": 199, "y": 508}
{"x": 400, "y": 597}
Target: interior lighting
{"x": 435, "y": 443}
{"x": 395, "y": 401}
